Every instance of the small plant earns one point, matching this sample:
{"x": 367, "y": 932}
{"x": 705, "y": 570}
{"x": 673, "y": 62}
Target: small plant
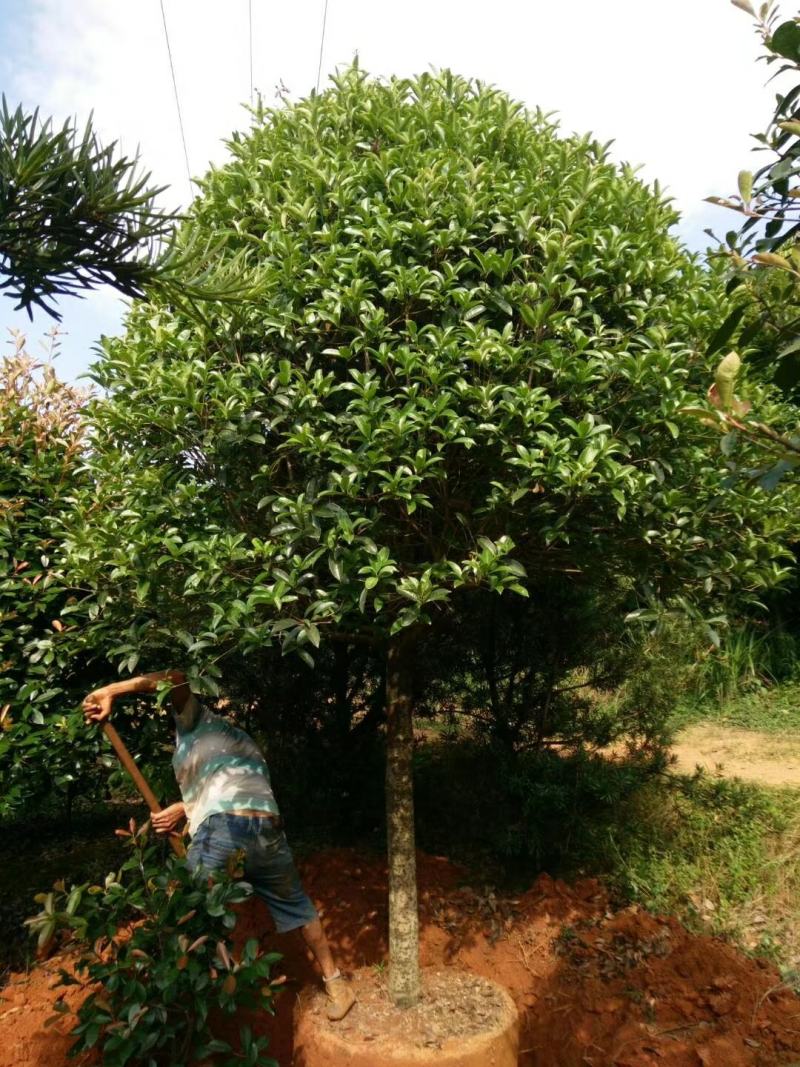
{"x": 155, "y": 941}
{"x": 566, "y": 937}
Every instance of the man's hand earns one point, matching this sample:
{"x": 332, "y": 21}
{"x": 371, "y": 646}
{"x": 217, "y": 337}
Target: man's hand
{"x": 98, "y": 705}
{"x": 167, "y": 819}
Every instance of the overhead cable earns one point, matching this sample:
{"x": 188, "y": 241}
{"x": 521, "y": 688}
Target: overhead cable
{"x": 250, "y": 26}
{"x": 177, "y": 101}
{"x": 322, "y": 42}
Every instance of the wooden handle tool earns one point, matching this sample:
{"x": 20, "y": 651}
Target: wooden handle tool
{"x": 128, "y": 762}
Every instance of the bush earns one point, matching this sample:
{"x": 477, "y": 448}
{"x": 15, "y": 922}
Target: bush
{"x": 44, "y": 749}
{"x": 518, "y": 815}
{"x": 156, "y": 939}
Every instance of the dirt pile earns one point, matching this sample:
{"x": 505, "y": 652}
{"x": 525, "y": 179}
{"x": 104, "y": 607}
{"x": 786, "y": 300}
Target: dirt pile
{"x": 595, "y": 987}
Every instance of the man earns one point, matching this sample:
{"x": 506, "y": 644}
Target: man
{"x": 229, "y": 804}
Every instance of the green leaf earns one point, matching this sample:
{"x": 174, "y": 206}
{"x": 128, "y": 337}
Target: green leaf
{"x": 786, "y": 40}
{"x": 722, "y": 335}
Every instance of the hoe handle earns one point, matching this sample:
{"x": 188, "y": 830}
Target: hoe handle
{"x": 128, "y": 762}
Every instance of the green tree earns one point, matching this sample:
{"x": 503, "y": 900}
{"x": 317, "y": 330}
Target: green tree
{"x": 467, "y": 366}
{"x": 74, "y": 215}
{"x": 768, "y": 197}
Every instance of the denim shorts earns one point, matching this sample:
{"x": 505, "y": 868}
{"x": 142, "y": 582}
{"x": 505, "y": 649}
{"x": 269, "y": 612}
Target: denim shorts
{"x": 268, "y": 863}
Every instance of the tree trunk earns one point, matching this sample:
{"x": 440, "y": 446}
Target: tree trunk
{"x": 341, "y": 686}
{"x": 404, "y": 982}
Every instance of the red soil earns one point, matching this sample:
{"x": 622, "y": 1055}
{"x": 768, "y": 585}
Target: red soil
{"x": 594, "y": 987}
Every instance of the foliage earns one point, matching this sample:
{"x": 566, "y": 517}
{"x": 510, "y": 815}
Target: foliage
{"x": 753, "y": 447}
{"x": 43, "y": 745}
{"x": 662, "y": 670}
{"x": 468, "y": 368}
{"x": 720, "y": 855}
{"x": 521, "y": 813}
{"x": 84, "y": 851}
{"x": 527, "y": 673}
{"x": 769, "y": 195}
{"x": 156, "y": 938}
{"x": 763, "y": 254}
{"x": 73, "y": 214}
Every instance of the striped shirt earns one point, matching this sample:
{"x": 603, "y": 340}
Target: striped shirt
{"x": 219, "y": 768}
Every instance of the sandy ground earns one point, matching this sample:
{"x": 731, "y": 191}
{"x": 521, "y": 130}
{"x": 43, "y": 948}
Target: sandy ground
{"x": 771, "y": 759}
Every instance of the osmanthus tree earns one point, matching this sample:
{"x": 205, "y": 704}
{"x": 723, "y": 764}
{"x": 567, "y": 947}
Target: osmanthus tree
{"x": 466, "y": 366}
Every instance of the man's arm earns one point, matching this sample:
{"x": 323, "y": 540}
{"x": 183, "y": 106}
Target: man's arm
{"x": 98, "y": 705}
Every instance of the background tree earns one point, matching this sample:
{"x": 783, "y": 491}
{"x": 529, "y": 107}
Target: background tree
{"x": 44, "y": 751}
{"x": 465, "y": 373}
{"x": 763, "y": 258}
{"x": 73, "y": 214}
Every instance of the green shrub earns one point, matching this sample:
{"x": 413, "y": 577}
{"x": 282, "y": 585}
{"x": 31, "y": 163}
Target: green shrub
{"x": 156, "y": 939}
{"x": 525, "y": 812}
{"x": 44, "y": 748}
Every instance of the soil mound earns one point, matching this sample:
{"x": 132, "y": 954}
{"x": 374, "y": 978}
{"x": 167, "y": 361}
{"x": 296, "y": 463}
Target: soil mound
{"x": 595, "y": 986}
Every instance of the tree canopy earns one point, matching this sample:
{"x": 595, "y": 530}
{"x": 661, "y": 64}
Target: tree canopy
{"x": 466, "y": 366}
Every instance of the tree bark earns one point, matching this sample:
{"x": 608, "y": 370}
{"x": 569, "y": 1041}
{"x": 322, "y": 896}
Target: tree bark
{"x": 341, "y": 686}
{"x": 404, "y": 980}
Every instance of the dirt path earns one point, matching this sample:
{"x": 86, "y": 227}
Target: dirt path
{"x": 771, "y": 759}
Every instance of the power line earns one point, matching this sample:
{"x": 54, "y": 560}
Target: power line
{"x": 250, "y": 24}
{"x": 322, "y": 42}
{"x": 177, "y": 100}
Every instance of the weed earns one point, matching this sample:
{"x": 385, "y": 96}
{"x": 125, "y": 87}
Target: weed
{"x": 747, "y": 659}
{"x": 770, "y": 709}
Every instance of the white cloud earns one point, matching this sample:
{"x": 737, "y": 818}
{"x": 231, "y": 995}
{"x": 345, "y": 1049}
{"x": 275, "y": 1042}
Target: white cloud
{"x": 674, "y": 83}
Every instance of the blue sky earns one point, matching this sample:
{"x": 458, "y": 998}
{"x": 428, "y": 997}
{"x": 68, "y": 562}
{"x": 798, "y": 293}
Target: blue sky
{"x": 675, "y": 84}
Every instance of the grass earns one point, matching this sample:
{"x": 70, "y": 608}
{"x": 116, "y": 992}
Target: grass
{"x": 768, "y": 708}
{"x": 722, "y": 856}
{"x": 749, "y": 657}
